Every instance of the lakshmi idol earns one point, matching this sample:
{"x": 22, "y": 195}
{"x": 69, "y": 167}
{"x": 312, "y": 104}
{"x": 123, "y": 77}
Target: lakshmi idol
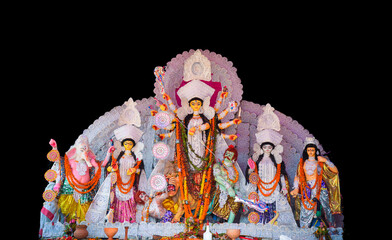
{"x": 316, "y": 182}
{"x": 74, "y": 190}
{"x": 126, "y": 168}
{"x": 267, "y": 172}
{"x": 120, "y": 186}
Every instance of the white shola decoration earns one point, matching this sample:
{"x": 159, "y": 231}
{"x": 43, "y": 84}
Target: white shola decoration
{"x": 268, "y": 120}
{"x": 130, "y": 115}
{"x": 268, "y": 125}
{"x": 197, "y": 67}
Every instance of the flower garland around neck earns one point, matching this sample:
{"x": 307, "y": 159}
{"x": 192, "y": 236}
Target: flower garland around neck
{"x": 179, "y": 158}
{"x": 148, "y": 210}
{"x": 276, "y": 179}
{"x": 75, "y": 183}
{"x": 304, "y": 185}
{"x": 120, "y": 184}
{"x": 228, "y": 176}
{"x": 185, "y": 176}
{"x": 206, "y": 194}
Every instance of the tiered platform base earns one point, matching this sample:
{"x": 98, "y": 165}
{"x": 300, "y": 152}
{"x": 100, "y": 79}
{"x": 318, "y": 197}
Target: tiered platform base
{"x": 149, "y": 230}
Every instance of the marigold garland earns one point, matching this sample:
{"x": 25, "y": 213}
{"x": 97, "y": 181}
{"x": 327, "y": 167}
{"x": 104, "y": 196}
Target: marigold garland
{"x": 276, "y": 179}
{"x": 120, "y": 184}
{"x": 75, "y": 183}
{"x": 236, "y": 174}
{"x": 207, "y": 188}
{"x": 303, "y": 185}
{"x": 148, "y": 210}
{"x": 180, "y": 165}
{"x": 186, "y": 178}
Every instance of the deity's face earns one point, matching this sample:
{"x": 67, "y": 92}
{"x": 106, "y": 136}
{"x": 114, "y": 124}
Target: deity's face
{"x": 81, "y": 151}
{"x": 267, "y": 148}
{"x": 195, "y": 105}
{"x": 144, "y": 197}
{"x": 128, "y": 145}
{"x": 229, "y": 155}
{"x": 311, "y": 151}
{"x": 173, "y": 183}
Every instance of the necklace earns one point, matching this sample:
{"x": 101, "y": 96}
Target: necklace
{"x": 120, "y": 184}
{"x": 75, "y": 183}
{"x": 228, "y": 176}
{"x": 148, "y": 210}
{"x": 276, "y": 179}
{"x": 303, "y": 185}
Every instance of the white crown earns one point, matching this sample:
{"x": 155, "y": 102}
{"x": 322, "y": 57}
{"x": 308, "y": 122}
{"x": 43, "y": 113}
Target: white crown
{"x": 197, "y": 67}
{"x": 269, "y": 135}
{"x": 268, "y": 120}
{"x": 268, "y": 125}
{"x": 310, "y": 140}
{"x": 128, "y": 131}
{"x": 195, "y": 88}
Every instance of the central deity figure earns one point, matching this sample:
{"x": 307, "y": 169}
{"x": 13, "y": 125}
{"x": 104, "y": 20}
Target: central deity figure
{"x": 197, "y": 118}
{"x": 199, "y": 140}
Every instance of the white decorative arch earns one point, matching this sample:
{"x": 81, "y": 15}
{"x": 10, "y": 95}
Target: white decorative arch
{"x": 101, "y": 130}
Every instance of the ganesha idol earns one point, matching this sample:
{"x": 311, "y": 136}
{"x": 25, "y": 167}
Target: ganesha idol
{"x": 80, "y": 173}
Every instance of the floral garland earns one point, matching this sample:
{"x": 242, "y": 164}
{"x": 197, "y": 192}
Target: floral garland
{"x": 75, "y": 183}
{"x": 192, "y": 186}
{"x": 120, "y": 184}
{"x": 181, "y": 167}
{"x": 186, "y": 176}
{"x": 205, "y": 199}
{"x": 276, "y": 179}
{"x": 148, "y": 210}
{"x": 236, "y": 174}
{"x": 303, "y": 185}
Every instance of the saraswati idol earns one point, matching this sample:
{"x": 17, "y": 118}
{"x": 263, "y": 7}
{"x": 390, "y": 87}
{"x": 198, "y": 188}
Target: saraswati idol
{"x": 267, "y": 172}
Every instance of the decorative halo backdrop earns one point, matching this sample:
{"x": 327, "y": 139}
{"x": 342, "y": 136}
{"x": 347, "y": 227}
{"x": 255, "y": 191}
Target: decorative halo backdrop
{"x": 307, "y": 85}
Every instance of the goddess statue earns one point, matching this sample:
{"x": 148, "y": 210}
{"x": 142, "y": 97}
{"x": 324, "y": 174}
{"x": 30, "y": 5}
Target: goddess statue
{"x": 126, "y": 168}
{"x": 196, "y": 135}
{"x": 316, "y": 181}
{"x": 197, "y": 128}
{"x": 74, "y": 190}
{"x": 121, "y": 184}
{"x": 266, "y": 170}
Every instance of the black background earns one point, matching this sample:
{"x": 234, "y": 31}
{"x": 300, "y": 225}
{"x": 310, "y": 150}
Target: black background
{"x": 72, "y": 81}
